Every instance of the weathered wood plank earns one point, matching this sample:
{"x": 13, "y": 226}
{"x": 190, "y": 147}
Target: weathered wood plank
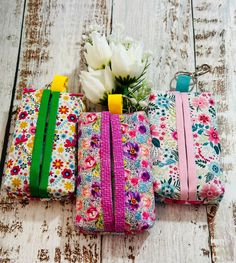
{"x": 215, "y": 29}
{"x": 181, "y": 233}
{"x": 11, "y": 15}
{"x": 51, "y": 44}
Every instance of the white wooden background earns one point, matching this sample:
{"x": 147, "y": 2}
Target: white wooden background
{"x": 39, "y": 38}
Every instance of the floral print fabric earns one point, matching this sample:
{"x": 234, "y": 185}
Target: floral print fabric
{"x": 61, "y": 181}
{"x": 62, "y": 171}
{"x": 162, "y": 115}
{"x": 89, "y": 210}
{"x": 16, "y": 178}
{"x": 138, "y": 182}
{"x": 139, "y": 193}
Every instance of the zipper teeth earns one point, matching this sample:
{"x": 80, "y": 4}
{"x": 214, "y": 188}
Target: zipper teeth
{"x": 185, "y": 143}
{"x": 112, "y": 174}
{"x": 44, "y": 137}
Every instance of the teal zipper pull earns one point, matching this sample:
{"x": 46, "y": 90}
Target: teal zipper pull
{"x": 183, "y": 83}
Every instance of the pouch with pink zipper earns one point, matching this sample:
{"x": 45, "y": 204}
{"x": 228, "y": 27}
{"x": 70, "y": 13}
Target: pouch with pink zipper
{"x": 186, "y": 148}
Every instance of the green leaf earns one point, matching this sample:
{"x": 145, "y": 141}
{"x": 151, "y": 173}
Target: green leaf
{"x": 156, "y": 142}
{"x": 217, "y": 149}
{"x": 209, "y": 177}
{"x": 201, "y": 163}
{"x": 170, "y": 180}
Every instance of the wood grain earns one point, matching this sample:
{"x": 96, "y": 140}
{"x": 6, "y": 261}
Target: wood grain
{"x": 181, "y": 233}
{"x": 215, "y": 28}
{"x": 10, "y": 27}
{"x": 51, "y": 44}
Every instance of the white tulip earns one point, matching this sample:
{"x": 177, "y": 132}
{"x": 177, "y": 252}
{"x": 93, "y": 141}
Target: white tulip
{"x": 96, "y": 83}
{"x": 143, "y": 104}
{"x": 127, "y": 62}
{"x": 99, "y": 52}
{"x": 133, "y": 101}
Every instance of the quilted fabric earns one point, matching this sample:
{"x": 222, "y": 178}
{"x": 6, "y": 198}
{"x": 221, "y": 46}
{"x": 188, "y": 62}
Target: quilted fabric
{"x": 203, "y": 176}
{"x": 61, "y": 179}
{"x": 129, "y": 176}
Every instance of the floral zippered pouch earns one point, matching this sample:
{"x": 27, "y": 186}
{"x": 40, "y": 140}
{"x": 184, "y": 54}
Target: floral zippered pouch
{"x": 41, "y": 162}
{"x": 115, "y": 183}
{"x": 186, "y": 148}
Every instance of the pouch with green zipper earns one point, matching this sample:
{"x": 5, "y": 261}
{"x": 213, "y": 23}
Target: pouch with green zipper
{"x": 41, "y": 161}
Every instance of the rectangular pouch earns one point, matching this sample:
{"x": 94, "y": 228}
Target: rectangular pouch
{"x": 115, "y": 184}
{"x": 42, "y": 157}
{"x": 186, "y": 148}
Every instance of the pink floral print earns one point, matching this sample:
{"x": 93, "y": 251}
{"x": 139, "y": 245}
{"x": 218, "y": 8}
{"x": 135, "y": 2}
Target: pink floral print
{"x": 162, "y": 115}
{"x": 138, "y": 190}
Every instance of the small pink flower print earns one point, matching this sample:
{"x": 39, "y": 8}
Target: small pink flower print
{"x": 174, "y": 135}
{"x": 144, "y": 163}
{"x": 212, "y": 102}
{"x": 156, "y": 185}
{"x": 124, "y": 128}
{"x": 78, "y": 218}
{"x": 145, "y": 150}
{"x": 79, "y": 204}
{"x": 20, "y": 139}
{"x": 134, "y": 181}
{"x": 145, "y": 215}
{"x": 32, "y": 130}
{"x": 51, "y": 180}
{"x": 146, "y": 201}
{"x": 92, "y": 213}
{"x": 132, "y": 133}
{"x": 203, "y": 118}
{"x": 86, "y": 191}
{"x": 162, "y": 126}
{"x": 23, "y": 115}
{"x": 141, "y": 117}
{"x": 200, "y": 102}
{"x": 210, "y": 191}
{"x": 72, "y": 118}
{"x": 90, "y": 118}
{"x": 85, "y": 143}
{"x": 15, "y": 170}
{"x": 154, "y": 131}
{"x": 131, "y": 150}
{"x": 213, "y": 135}
{"x": 70, "y": 143}
{"x": 90, "y": 162}
{"x": 152, "y": 97}
{"x": 127, "y": 173}
{"x": 26, "y": 90}
{"x": 67, "y": 173}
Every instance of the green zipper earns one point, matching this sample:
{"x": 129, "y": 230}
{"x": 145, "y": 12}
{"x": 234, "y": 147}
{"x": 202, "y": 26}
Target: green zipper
{"x": 38, "y": 145}
{"x": 48, "y": 145}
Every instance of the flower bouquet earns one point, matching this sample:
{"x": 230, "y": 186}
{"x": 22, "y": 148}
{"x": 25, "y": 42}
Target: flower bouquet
{"x": 115, "y": 66}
